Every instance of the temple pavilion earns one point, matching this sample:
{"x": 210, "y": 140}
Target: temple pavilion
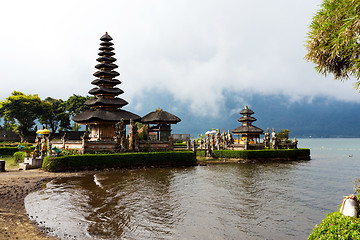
{"x": 250, "y": 134}
{"x": 160, "y": 122}
{"x": 105, "y": 107}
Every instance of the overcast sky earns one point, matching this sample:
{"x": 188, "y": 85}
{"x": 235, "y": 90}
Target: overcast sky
{"x": 195, "y": 50}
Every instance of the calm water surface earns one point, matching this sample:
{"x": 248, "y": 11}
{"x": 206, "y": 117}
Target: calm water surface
{"x": 225, "y": 201}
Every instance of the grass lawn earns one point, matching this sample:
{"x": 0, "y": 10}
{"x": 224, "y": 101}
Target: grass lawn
{"x": 9, "y": 162}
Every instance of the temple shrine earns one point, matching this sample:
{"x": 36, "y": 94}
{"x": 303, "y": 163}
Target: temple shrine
{"x": 160, "y": 122}
{"x": 105, "y": 108}
{"x": 106, "y": 120}
{"x": 250, "y": 134}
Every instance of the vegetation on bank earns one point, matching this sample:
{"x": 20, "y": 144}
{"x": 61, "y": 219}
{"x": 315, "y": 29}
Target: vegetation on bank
{"x": 303, "y": 153}
{"x": 118, "y": 160}
{"x": 337, "y": 226}
{"x": 19, "y": 113}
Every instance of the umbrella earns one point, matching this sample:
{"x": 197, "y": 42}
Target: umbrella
{"x": 43, "y": 131}
{"x": 210, "y": 132}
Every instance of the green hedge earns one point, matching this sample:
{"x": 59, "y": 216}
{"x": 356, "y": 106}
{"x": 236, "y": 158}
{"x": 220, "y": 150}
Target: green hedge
{"x": 269, "y": 153}
{"x": 19, "y": 157}
{"x": 121, "y": 160}
{"x": 8, "y": 151}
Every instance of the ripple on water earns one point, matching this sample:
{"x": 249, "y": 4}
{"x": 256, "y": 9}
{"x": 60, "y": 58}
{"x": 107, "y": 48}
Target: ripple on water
{"x": 232, "y": 201}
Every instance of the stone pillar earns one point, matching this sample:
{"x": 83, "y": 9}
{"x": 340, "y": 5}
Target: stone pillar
{"x": 194, "y": 146}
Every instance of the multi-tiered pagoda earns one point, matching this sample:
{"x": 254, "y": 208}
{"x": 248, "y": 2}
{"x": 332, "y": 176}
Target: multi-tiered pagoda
{"x": 105, "y": 108}
{"x": 249, "y": 133}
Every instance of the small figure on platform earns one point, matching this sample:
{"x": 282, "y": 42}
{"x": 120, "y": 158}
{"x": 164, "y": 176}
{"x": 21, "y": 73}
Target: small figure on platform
{"x": 295, "y": 142}
{"x": 63, "y": 139}
{"x": 223, "y": 139}
{"x": 274, "y": 140}
{"x": 230, "y": 138}
{"x": 217, "y": 139}
{"x": 43, "y": 146}
{"x": 267, "y": 138}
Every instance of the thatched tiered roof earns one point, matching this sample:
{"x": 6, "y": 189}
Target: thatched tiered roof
{"x": 105, "y": 106}
{"x": 160, "y": 117}
{"x": 247, "y": 128}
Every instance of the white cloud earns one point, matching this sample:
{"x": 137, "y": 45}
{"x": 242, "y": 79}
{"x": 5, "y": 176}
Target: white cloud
{"x": 194, "y": 50}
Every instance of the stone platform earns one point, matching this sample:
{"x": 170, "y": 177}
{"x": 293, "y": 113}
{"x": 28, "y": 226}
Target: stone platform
{"x": 30, "y": 163}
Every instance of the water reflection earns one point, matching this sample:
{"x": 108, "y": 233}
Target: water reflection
{"x": 226, "y": 201}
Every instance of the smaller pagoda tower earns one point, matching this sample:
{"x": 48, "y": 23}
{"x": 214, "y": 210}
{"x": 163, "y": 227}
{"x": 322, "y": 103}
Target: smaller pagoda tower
{"x": 105, "y": 108}
{"x": 249, "y": 133}
{"x": 161, "y": 123}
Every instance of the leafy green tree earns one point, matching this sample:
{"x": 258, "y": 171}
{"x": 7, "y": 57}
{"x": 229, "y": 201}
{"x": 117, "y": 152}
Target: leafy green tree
{"x": 283, "y": 134}
{"x": 54, "y": 114}
{"x": 333, "y": 42}
{"x": 20, "y": 111}
{"x": 75, "y": 105}
{"x": 142, "y": 130}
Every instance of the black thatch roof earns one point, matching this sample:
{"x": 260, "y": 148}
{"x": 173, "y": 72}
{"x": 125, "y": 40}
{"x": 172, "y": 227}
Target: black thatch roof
{"x": 247, "y": 129}
{"x": 104, "y": 90}
{"x": 246, "y": 111}
{"x": 106, "y": 81}
{"x": 106, "y": 53}
{"x": 106, "y": 37}
{"x": 104, "y": 73}
{"x": 247, "y": 119}
{"x": 99, "y": 115}
{"x": 106, "y": 65}
{"x": 105, "y": 109}
{"x": 160, "y": 116}
{"x": 106, "y": 59}
{"x": 101, "y": 101}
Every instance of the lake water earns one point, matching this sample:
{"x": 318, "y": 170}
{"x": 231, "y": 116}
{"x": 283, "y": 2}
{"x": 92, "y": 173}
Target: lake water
{"x": 224, "y": 201}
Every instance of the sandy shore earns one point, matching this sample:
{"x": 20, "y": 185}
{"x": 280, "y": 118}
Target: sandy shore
{"x": 14, "y": 186}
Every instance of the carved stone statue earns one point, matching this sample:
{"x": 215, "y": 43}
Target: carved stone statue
{"x": 230, "y": 138}
{"x": 43, "y": 146}
{"x": 120, "y": 134}
{"x": 274, "y": 140}
{"x": 223, "y": 139}
{"x": 267, "y": 138}
{"x": 133, "y": 136}
{"x": 217, "y": 139}
{"x": 273, "y": 134}
{"x": 63, "y": 139}
{"x": 295, "y": 142}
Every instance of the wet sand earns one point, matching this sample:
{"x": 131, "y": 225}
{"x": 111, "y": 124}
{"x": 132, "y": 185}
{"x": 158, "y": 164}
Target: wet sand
{"x": 14, "y": 186}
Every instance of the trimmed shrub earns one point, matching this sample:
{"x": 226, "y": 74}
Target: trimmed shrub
{"x": 179, "y": 144}
{"x": 200, "y": 153}
{"x": 119, "y": 160}
{"x": 8, "y": 151}
{"x": 259, "y": 154}
{"x": 19, "y": 157}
